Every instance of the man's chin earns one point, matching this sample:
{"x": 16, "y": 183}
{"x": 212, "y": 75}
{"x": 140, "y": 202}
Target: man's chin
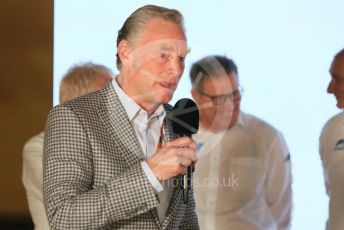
{"x": 163, "y": 98}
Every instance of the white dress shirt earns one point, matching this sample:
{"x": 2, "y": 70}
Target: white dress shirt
{"x": 332, "y": 156}
{"x": 33, "y": 180}
{"x": 148, "y": 131}
{"x": 243, "y": 178}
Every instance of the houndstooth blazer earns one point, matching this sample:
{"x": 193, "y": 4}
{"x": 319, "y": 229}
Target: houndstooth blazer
{"x": 93, "y": 177}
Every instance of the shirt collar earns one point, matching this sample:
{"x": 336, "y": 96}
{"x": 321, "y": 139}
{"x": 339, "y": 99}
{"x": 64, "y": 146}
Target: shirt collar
{"x": 240, "y": 121}
{"x": 132, "y": 108}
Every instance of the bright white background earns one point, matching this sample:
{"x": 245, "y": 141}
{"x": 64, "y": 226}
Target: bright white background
{"x": 283, "y": 50}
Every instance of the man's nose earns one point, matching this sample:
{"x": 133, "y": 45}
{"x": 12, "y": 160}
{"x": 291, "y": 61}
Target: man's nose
{"x": 176, "y": 67}
{"x": 330, "y": 87}
{"x": 227, "y": 105}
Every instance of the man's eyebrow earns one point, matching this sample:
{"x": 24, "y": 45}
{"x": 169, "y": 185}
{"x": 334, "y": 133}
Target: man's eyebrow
{"x": 164, "y": 46}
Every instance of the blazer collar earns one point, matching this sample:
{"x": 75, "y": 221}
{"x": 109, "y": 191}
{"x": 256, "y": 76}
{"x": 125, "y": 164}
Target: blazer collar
{"x": 117, "y": 123}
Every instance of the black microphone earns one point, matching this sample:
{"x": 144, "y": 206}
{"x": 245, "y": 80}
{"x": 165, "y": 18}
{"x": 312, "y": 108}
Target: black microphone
{"x": 185, "y": 122}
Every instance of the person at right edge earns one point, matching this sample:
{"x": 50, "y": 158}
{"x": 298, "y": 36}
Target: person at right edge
{"x": 332, "y": 148}
{"x": 242, "y": 179}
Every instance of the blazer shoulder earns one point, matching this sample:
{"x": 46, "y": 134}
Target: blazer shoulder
{"x": 259, "y": 126}
{"x": 85, "y": 102}
{"x": 89, "y": 103}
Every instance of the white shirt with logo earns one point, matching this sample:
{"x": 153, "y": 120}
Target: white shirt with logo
{"x": 332, "y": 156}
{"x": 242, "y": 179}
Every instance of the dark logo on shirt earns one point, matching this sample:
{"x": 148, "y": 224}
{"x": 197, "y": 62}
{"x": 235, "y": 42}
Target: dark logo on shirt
{"x": 287, "y": 158}
{"x": 199, "y": 145}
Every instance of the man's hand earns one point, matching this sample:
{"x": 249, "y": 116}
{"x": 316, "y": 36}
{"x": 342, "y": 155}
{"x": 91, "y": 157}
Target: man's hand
{"x": 173, "y": 158}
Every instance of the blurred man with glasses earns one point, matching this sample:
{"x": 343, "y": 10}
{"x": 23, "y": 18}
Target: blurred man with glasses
{"x": 243, "y": 176}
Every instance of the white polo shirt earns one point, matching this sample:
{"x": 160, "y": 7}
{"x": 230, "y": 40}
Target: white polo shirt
{"x": 332, "y": 156}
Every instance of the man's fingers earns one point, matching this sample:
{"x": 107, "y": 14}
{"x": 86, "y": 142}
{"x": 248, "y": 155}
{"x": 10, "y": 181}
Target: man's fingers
{"x": 173, "y": 158}
{"x": 182, "y": 142}
{"x": 185, "y": 161}
{"x": 189, "y": 153}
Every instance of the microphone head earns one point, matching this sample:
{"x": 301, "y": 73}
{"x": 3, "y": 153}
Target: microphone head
{"x": 185, "y": 117}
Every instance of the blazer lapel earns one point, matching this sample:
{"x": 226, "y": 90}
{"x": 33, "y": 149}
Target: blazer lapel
{"x": 116, "y": 121}
{"x": 118, "y": 125}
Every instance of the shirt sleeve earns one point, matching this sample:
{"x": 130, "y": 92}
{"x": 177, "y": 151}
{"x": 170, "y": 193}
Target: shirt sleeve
{"x": 279, "y": 190}
{"x": 33, "y": 180}
{"x": 151, "y": 177}
{"x": 325, "y": 151}
{"x": 332, "y": 156}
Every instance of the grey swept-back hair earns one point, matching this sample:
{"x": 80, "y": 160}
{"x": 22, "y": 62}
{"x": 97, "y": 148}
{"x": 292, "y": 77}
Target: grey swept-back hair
{"x": 138, "y": 19}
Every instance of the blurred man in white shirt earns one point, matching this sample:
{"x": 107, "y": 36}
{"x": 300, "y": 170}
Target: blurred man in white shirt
{"x": 243, "y": 176}
{"x": 332, "y": 147}
{"x": 79, "y": 80}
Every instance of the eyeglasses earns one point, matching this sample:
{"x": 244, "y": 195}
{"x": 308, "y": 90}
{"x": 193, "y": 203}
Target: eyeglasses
{"x": 222, "y": 98}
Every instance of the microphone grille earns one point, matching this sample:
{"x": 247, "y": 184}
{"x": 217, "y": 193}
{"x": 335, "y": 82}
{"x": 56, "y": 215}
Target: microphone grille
{"x": 185, "y": 117}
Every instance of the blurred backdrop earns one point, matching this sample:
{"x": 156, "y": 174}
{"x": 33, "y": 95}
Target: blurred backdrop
{"x": 26, "y": 41}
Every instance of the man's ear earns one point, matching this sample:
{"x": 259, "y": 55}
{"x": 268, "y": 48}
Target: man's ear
{"x": 124, "y": 51}
{"x": 195, "y": 95}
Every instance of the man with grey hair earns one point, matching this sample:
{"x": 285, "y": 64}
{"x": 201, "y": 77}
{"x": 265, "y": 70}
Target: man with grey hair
{"x": 79, "y": 80}
{"x": 83, "y": 79}
{"x": 111, "y": 158}
{"x": 332, "y": 147}
{"x": 243, "y": 174}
